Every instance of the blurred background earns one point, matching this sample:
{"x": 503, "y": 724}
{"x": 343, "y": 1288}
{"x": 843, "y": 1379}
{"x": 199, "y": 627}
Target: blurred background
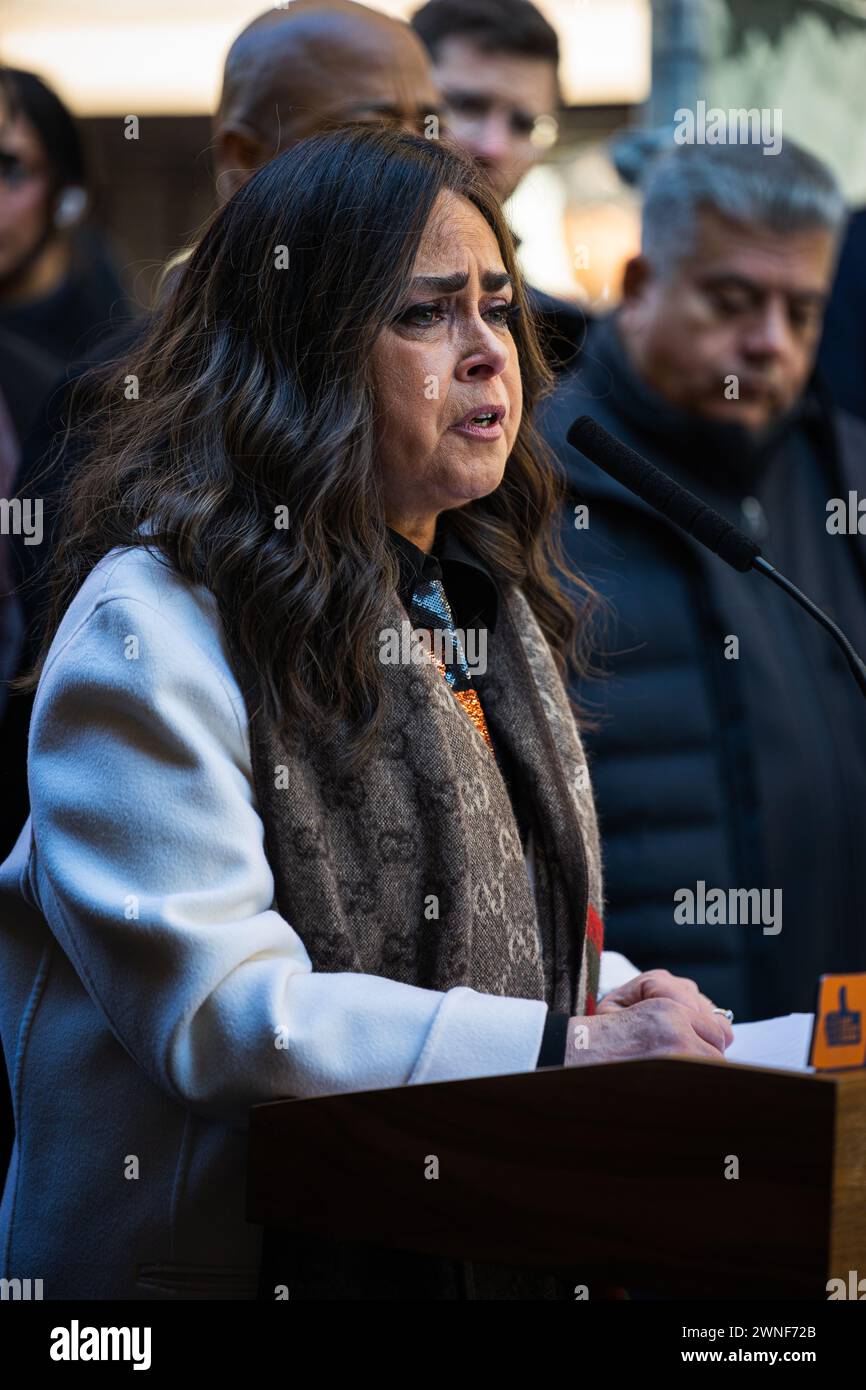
{"x": 627, "y": 65}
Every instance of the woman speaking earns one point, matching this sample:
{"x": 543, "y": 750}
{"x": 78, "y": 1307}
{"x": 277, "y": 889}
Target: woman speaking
{"x": 309, "y": 807}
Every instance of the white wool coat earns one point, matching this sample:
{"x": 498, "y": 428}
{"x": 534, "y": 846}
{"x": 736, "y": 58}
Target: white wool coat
{"x": 150, "y": 994}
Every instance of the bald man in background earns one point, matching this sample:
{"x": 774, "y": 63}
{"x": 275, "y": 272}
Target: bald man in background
{"x": 320, "y": 64}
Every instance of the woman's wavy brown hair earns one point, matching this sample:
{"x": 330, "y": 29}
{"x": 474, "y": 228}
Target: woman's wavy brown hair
{"x": 254, "y": 393}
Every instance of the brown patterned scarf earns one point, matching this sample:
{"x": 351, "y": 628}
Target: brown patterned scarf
{"x": 413, "y": 868}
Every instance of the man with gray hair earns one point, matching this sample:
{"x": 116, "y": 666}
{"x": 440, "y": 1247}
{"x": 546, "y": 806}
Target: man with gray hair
{"x": 730, "y": 743}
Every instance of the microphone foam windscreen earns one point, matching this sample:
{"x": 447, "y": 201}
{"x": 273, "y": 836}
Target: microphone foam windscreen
{"x": 676, "y": 503}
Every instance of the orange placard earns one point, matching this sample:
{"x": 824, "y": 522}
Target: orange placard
{"x": 839, "y": 1034}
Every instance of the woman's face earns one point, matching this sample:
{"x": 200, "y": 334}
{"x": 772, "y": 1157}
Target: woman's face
{"x": 25, "y": 193}
{"x": 446, "y": 375}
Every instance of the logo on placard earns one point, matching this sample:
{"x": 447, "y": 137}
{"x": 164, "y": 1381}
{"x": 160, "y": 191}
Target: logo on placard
{"x": 843, "y": 1027}
{"x": 838, "y": 1038}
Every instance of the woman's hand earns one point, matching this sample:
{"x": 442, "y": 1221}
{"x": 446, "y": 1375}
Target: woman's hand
{"x": 655, "y": 1027}
{"x": 661, "y": 984}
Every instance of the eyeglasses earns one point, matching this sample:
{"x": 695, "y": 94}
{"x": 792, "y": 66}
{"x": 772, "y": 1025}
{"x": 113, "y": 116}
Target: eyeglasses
{"x": 474, "y": 109}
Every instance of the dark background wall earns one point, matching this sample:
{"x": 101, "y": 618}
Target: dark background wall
{"x": 151, "y": 194}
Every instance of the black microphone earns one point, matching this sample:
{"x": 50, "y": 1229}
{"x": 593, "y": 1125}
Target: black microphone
{"x": 696, "y": 518}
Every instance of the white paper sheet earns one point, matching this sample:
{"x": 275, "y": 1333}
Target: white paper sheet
{"x": 774, "y": 1042}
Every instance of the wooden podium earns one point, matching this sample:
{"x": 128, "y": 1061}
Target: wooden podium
{"x": 612, "y": 1173}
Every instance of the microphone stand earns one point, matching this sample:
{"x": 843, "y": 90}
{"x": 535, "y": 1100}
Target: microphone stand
{"x": 858, "y": 669}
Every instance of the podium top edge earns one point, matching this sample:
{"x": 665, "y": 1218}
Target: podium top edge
{"x": 855, "y": 1077}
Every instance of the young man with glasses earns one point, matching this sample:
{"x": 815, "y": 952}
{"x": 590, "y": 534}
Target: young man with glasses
{"x": 496, "y": 64}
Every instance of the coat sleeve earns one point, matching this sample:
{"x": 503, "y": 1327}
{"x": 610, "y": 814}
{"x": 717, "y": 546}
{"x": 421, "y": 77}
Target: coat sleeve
{"x": 149, "y": 865}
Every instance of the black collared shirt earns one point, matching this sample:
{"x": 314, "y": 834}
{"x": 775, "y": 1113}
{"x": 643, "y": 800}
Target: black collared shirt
{"x": 468, "y": 584}
{"x": 473, "y": 596}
